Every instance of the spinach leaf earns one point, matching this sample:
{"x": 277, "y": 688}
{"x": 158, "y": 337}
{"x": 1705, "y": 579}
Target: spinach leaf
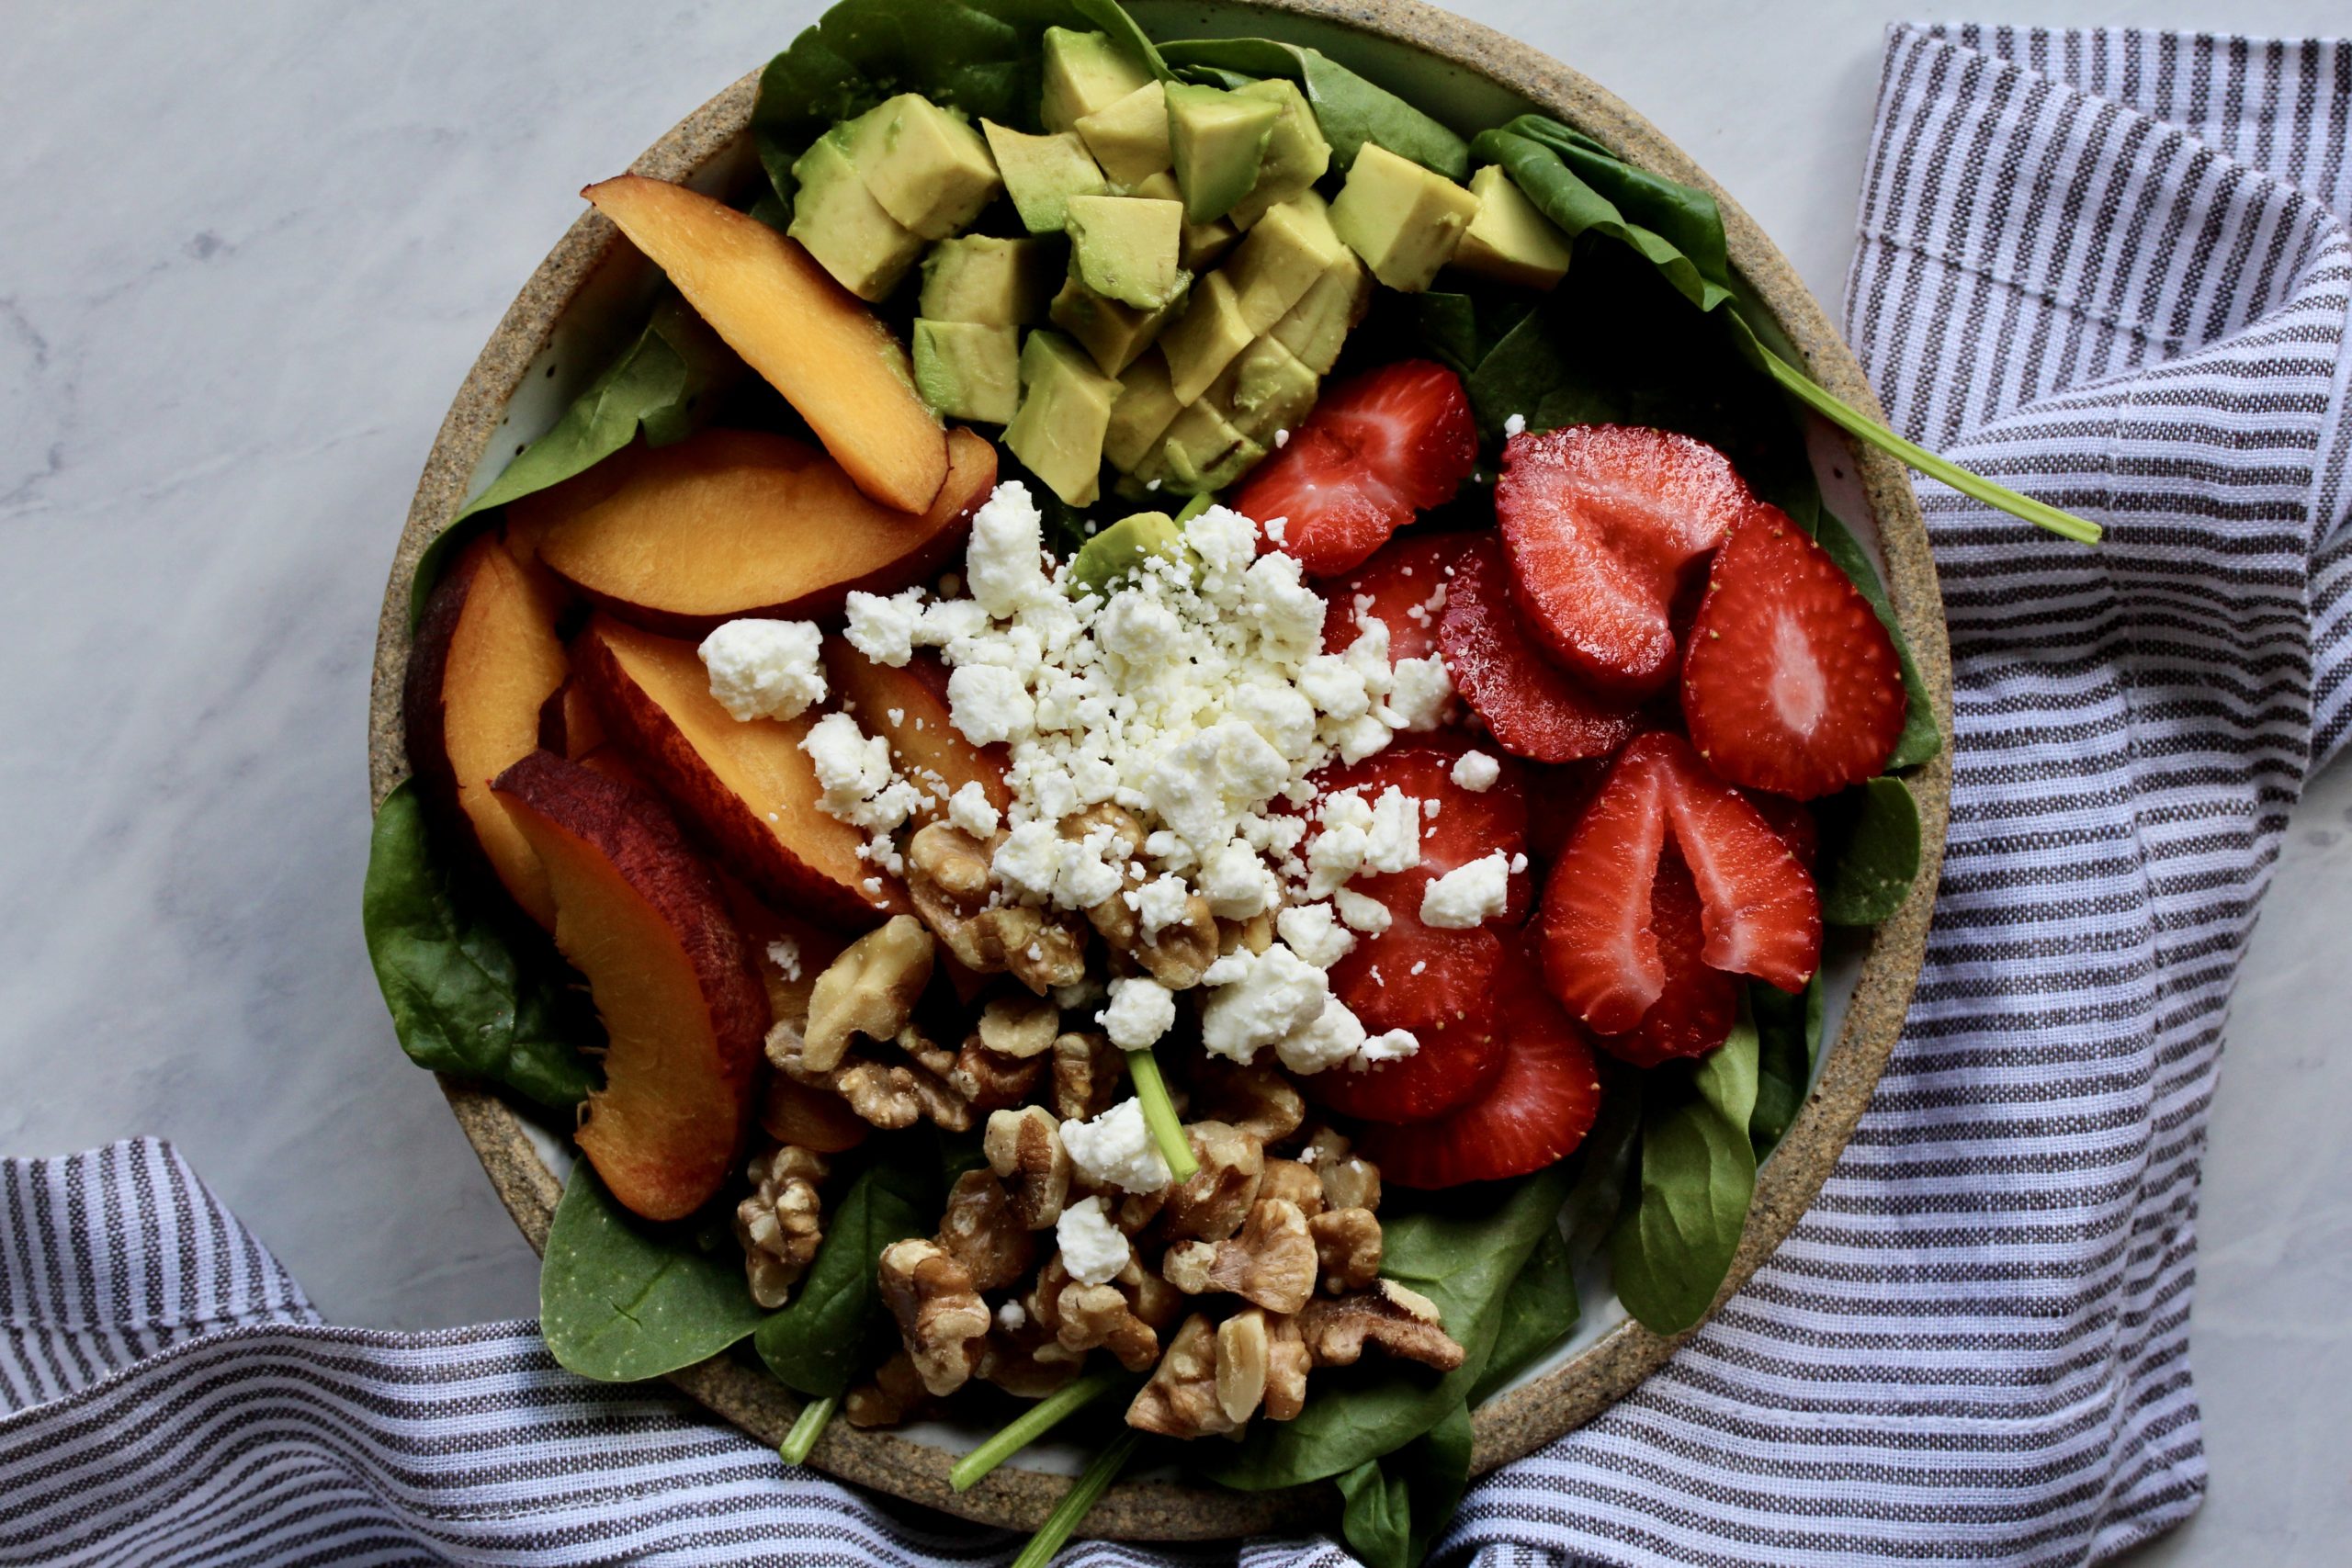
{"x": 1395, "y": 1505}
{"x": 1788, "y": 1035}
{"x": 1869, "y": 851}
{"x": 1349, "y": 110}
{"x": 621, "y": 1300}
{"x": 1113, "y": 18}
{"x": 1920, "y": 738}
{"x": 1606, "y": 1162}
{"x": 1539, "y": 1311}
{"x": 468, "y": 996}
{"x": 659, "y": 385}
{"x": 830, "y": 1331}
{"x": 1461, "y": 1249}
{"x": 1675, "y": 1241}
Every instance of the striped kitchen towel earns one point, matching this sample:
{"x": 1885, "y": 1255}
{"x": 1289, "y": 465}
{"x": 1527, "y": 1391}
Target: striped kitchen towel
{"x": 2111, "y": 269}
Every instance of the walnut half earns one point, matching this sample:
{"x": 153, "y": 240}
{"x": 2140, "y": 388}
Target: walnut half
{"x": 781, "y": 1223}
{"x": 1402, "y": 1322}
{"x": 941, "y": 1318}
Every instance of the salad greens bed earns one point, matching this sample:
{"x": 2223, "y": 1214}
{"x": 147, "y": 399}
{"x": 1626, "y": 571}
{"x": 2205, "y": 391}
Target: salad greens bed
{"x": 1651, "y": 327}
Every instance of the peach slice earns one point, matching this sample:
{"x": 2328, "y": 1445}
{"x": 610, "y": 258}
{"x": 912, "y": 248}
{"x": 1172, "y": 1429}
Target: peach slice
{"x": 907, "y": 706}
{"x": 569, "y": 724}
{"x": 639, "y": 915}
{"x": 740, "y": 523}
{"x": 748, "y": 789}
{"x": 814, "y": 341}
{"x": 484, "y": 663}
{"x": 792, "y": 953}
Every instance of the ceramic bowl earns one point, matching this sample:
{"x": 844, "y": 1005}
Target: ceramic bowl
{"x": 567, "y": 323}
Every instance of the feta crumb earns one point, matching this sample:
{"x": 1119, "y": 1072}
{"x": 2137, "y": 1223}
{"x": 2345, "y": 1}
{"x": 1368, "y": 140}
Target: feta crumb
{"x": 1003, "y": 561}
{"x": 884, "y": 629}
{"x": 1161, "y": 902}
{"x": 1237, "y": 883}
{"x": 970, "y": 811}
{"x": 1394, "y": 1045}
{"x": 1424, "y": 693}
{"x": 1515, "y": 425}
{"x": 1258, "y": 1000}
{"x": 764, "y": 669}
{"x": 1092, "y": 1248}
{"x": 1141, "y": 1010}
{"x": 850, "y": 766}
{"x": 1332, "y": 1037}
{"x": 1468, "y": 894}
{"x": 1476, "y": 771}
{"x": 1011, "y": 1316}
{"x": 785, "y": 954}
{"x": 1394, "y": 840}
{"x": 1281, "y": 439}
{"x": 989, "y": 703}
{"x": 1115, "y": 1150}
{"x": 1360, "y": 911}
{"x": 1030, "y": 859}
{"x": 1311, "y": 931}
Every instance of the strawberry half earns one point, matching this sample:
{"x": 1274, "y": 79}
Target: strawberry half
{"x": 1438, "y": 984}
{"x": 1406, "y": 586}
{"x": 1697, "y": 1005}
{"x": 1535, "y": 708}
{"x": 1758, "y": 912}
{"x": 1538, "y": 1109}
{"x": 1601, "y": 523}
{"x": 1791, "y": 683}
{"x": 1469, "y": 824}
{"x": 1378, "y": 449}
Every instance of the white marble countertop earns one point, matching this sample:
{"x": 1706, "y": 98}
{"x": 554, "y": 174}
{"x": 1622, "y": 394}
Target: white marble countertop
{"x": 251, "y": 250}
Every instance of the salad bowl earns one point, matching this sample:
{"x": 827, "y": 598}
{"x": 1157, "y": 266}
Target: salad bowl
{"x": 572, "y": 318}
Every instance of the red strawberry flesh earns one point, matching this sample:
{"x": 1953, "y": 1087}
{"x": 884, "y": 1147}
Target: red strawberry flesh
{"x": 1469, "y": 824}
{"x": 1535, "y": 708}
{"x": 1437, "y": 984}
{"x": 1697, "y": 1005}
{"x": 1405, "y": 586}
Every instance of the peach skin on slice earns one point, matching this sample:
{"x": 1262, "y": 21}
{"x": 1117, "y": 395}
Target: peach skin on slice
{"x": 639, "y": 914}
{"x": 907, "y": 706}
{"x": 748, "y": 789}
{"x": 791, "y": 952}
{"x": 815, "y": 342}
{"x": 484, "y": 663}
{"x": 736, "y": 522}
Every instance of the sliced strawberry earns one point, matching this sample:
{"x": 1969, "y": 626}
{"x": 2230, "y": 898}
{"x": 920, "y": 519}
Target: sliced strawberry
{"x": 1697, "y": 1005}
{"x": 1469, "y": 824}
{"x": 1377, "y": 448}
{"x": 1538, "y": 1109}
{"x": 1792, "y": 821}
{"x": 1791, "y": 683}
{"x": 1439, "y": 985}
{"x": 1601, "y": 523}
{"x": 1760, "y": 914}
{"x": 1404, "y": 586}
{"x": 1535, "y": 708}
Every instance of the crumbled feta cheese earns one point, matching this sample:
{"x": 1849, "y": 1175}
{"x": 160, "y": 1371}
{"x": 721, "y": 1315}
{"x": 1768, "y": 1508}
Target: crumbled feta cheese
{"x": 884, "y": 629}
{"x": 1030, "y": 859}
{"x": 1002, "y": 563}
{"x": 1424, "y": 693}
{"x": 1311, "y": 931}
{"x": 785, "y": 954}
{"x": 1237, "y": 883}
{"x": 1258, "y": 1000}
{"x": 1141, "y": 1010}
{"x": 1093, "y": 1249}
{"x": 1115, "y": 1150}
{"x": 1088, "y": 876}
{"x": 970, "y": 811}
{"x": 1203, "y": 783}
{"x": 1515, "y": 425}
{"x": 850, "y": 766}
{"x": 1334, "y": 1036}
{"x": 1360, "y": 911}
{"x": 1476, "y": 771}
{"x": 1012, "y": 1316}
{"x": 764, "y": 669}
{"x": 1335, "y": 686}
{"x": 989, "y": 703}
{"x": 1393, "y": 842}
{"x": 1160, "y": 903}
{"x": 1393, "y": 1045}
{"x": 1468, "y": 894}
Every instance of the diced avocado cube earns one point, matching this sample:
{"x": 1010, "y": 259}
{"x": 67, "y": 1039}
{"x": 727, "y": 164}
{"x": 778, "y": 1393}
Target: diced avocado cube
{"x": 1316, "y": 327}
{"x": 1065, "y": 408}
{"x": 1042, "y": 173}
{"x": 1120, "y": 550}
{"x": 837, "y": 219}
{"x": 1147, "y": 407}
{"x": 1000, "y": 283}
{"x": 1295, "y": 153}
{"x": 1084, "y": 72}
{"x": 967, "y": 370}
{"x": 1206, "y": 338}
{"x": 1263, "y": 390}
{"x": 1129, "y": 139}
{"x": 1200, "y": 452}
{"x": 1125, "y": 248}
{"x": 1403, "y": 221}
{"x": 1113, "y": 333}
{"x": 1511, "y": 240}
{"x": 927, "y": 167}
{"x": 1204, "y": 243}
{"x": 1216, "y": 138}
{"x": 1280, "y": 259}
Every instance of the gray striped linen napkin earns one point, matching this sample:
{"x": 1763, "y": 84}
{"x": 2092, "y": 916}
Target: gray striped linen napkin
{"x": 2111, "y": 269}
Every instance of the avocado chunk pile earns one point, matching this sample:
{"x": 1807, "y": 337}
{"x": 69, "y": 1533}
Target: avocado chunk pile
{"x": 1179, "y": 286}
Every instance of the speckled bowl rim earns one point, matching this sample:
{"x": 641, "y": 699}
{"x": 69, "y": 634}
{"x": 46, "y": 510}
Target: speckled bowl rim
{"x": 1527, "y": 1418}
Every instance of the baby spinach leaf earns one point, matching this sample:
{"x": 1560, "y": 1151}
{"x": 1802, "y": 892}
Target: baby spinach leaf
{"x": 1461, "y": 1249}
{"x": 1869, "y": 851}
{"x": 621, "y": 1300}
{"x": 658, "y": 386}
{"x": 828, "y": 1333}
{"x": 1539, "y": 1311}
{"x": 1788, "y": 1035}
{"x": 1677, "y": 1238}
{"x": 1349, "y": 110}
{"x": 468, "y": 996}
{"x": 1921, "y": 739}
{"x": 1397, "y": 1504}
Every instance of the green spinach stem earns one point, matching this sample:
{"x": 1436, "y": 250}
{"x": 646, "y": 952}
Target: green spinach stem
{"x": 805, "y": 1431}
{"x": 1160, "y": 1115}
{"x": 2065, "y": 524}
{"x": 1032, "y": 1424}
{"x": 1078, "y": 1500}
